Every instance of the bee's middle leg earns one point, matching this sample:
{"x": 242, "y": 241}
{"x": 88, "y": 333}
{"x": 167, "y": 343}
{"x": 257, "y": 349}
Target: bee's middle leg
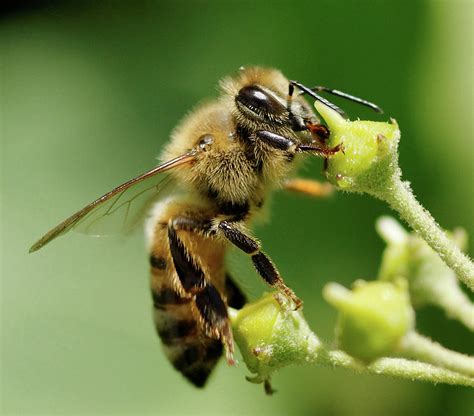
{"x": 264, "y": 266}
{"x": 308, "y": 187}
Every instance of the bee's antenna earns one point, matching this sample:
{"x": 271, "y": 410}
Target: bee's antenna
{"x": 350, "y": 97}
{"x": 313, "y": 94}
{"x": 337, "y": 93}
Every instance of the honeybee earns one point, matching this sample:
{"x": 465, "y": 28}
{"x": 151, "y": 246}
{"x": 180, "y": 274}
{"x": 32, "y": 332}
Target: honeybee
{"x": 224, "y": 158}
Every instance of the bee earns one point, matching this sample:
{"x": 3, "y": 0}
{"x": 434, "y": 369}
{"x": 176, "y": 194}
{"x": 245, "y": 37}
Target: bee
{"x": 224, "y": 159}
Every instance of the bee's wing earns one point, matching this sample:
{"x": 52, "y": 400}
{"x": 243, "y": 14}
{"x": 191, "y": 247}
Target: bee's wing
{"x": 124, "y": 211}
{"x": 103, "y": 211}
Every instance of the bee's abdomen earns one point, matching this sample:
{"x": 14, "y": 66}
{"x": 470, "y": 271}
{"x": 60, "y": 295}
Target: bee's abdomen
{"x": 176, "y": 316}
{"x": 190, "y": 351}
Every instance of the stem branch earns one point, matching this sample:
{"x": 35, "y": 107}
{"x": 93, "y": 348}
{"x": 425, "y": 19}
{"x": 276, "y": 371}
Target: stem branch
{"x": 400, "y": 197}
{"x": 394, "y": 367}
{"x": 422, "y": 348}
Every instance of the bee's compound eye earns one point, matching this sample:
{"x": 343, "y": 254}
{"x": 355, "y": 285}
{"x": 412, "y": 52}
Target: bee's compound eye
{"x": 205, "y": 141}
{"x": 256, "y": 99}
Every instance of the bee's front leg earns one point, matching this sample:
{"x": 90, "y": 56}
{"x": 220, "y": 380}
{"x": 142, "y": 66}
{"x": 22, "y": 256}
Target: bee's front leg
{"x": 277, "y": 141}
{"x": 284, "y": 143}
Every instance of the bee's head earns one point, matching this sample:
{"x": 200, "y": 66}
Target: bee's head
{"x": 260, "y": 101}
{"x": 267, "y": 108}
{"x": 260, "y": 98}
{"x": 261, "y": 105}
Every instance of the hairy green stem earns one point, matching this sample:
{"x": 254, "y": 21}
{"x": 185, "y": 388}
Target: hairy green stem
{"x": 400, "y": 197}
{"x": 394, "y": 367}
{"x": 270, "y": 337}
{"x": 424, "y": 349}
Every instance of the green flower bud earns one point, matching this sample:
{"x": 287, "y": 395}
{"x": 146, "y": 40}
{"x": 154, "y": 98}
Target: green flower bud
{"x": 270, "y": 336}
{"x": 374, "y": 317}
{"x": 409, "y": 256}
{"x": 370, "y": 158}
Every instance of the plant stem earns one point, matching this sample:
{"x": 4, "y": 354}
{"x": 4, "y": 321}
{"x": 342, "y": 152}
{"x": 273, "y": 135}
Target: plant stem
{"x": 394, "y": 367}
{"x": 424, "y": 349}
{"x": 271, "y": 337}
{"x": 400, "y": 197}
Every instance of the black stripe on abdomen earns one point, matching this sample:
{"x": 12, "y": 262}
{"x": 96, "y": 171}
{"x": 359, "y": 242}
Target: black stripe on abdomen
{"x": 196, "y": 361}
{"x": 166, "y": 297}
{"x": 173, "y": 331}
{"x": 157, "y": 262}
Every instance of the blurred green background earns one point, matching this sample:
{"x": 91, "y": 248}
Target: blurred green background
{"x": 90, "y": 92}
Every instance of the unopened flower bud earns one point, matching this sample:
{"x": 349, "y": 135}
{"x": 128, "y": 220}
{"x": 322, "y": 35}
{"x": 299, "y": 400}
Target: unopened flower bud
{"x": 373, "y": 317}
{"x": 270, "y": 335}
{"x": 369, "y": 158}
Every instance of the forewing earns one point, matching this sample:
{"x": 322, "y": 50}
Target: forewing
{"x": 121, "y": 213}
{"x": 113, "y": 211}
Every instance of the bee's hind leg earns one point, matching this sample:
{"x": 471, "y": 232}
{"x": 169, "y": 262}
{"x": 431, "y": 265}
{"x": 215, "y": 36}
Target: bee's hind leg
{"x": 209, "y": 305}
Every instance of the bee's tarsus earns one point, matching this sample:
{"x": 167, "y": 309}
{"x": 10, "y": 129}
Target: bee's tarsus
{"x": 320, "y": 150}
{"x": 319, "y": 132}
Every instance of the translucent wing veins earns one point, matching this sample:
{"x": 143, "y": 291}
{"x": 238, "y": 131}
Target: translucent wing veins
{"x": 74, "y": 219}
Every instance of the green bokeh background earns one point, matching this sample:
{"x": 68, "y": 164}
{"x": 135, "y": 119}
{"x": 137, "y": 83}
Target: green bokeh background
{"x": 90, "y": 92}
